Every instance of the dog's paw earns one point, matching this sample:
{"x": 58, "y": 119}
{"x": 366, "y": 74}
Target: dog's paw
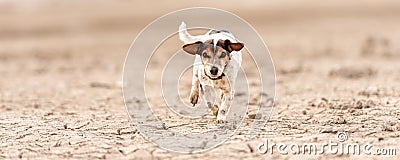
{"x": 194, "y": 98}
{"x": 220, "y": 121}
{"x": 214, "y": 110}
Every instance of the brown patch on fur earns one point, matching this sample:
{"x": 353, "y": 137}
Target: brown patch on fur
{"x": 223, "y": 112}
{"x": 214, "y": 110}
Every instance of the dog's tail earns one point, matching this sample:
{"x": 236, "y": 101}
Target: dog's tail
{"x": 185, "y": 36}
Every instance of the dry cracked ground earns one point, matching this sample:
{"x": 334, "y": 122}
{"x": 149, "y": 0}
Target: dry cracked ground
{"x": 337, "y": 70}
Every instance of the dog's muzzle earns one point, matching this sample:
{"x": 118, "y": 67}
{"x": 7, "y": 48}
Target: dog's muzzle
{"x": 214, "y": 71}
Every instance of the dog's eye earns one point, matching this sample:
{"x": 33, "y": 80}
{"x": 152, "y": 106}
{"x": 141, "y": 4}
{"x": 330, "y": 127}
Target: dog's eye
{"x": 205, "y": 55}
{"x": 223, "y": 54}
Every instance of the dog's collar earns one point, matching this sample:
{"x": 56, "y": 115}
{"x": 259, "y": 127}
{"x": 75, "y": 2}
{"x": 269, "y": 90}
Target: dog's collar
{"x": 218, "y": 78}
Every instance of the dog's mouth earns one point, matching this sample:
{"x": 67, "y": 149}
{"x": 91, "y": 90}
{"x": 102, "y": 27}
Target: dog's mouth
{"x": 216, "y": 77}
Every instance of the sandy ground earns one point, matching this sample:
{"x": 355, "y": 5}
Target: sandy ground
{"x": 61, "y": 66}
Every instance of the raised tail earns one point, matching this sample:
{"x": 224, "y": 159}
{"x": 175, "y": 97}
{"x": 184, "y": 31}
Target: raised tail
{"x": 185, "y": 37}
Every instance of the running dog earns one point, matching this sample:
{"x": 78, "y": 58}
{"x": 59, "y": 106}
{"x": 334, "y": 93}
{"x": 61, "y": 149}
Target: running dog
{"x": 217, "y": 61}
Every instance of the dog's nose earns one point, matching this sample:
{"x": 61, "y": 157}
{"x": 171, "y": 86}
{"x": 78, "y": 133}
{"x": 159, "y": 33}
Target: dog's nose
{"x": 214, "y": 70}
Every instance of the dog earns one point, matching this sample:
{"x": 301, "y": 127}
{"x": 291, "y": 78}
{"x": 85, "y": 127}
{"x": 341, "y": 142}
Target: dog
{"x": 217, "y": 61}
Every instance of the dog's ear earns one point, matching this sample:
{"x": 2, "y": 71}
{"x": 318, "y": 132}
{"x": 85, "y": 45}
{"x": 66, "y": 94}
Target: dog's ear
{"x": 192, "y": 48}
{"x": 229, "y": 46}
{"x": 236, "y": 46}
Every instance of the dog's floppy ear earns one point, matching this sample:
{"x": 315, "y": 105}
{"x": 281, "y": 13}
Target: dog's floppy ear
{"x": 233, "y": 46}
{"x": 192, "y": 48}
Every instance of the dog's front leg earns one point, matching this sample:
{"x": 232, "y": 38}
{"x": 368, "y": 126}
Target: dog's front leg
{"x": 226, "y": 97}
{"x": 194, "y": 92}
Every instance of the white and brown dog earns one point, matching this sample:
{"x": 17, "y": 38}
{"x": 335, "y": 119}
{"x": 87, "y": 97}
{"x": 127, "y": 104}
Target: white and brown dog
{"x": 217, "y": 62}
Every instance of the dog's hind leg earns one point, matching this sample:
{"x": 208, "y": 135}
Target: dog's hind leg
{"x": 226, "y": 98}
{"x": 218, "y": 103}
{"x": 226, "y": 101}
{"x": 209, "y": 97}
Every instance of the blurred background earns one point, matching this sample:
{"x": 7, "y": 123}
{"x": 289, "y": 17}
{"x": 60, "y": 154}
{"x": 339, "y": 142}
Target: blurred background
{"x": 61, "y": 66}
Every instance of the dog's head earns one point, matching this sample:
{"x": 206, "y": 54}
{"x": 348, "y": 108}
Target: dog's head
{"x": 215, "y": 55}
